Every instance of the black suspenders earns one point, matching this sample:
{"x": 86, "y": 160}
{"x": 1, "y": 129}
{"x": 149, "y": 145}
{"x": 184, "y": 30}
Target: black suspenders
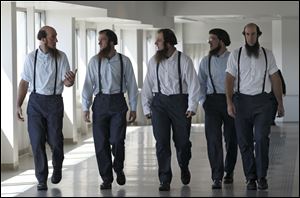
{"x": 34, "y": 73}
{"x": 212, "y": 82}
{"x": 239, "y": 57}
{"x": 122, "y": 71}
{"x": 179, "y": 75}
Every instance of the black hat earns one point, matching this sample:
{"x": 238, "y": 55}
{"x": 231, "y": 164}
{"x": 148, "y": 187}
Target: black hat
{"x": 222, "y": 35}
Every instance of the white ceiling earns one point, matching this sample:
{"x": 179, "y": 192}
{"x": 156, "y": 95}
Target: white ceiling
{"x": 206, "y": 19}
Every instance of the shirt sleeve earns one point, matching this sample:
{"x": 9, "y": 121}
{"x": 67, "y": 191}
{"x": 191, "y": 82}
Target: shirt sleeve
{"x": 26, "y": 74}
{"x": 146, "y": 93}
{"x": 232, "y": 64}
{"x": 65, "y": 65}
{"x": 131, "y": 85}
{"x": 193, "y": 86}
{"x": 88, "y": 87}
{"x": 272, "y": 63}
{"x": 202, "y": 80}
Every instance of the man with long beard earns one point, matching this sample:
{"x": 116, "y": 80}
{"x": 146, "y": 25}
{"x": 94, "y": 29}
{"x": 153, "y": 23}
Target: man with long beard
{"x": 251, "y": 73}
{"x": 109, "y": 75}
{"x": 170, "y": 97}
{"x": 46, "y": 71}
{"x": 212, "y": 88}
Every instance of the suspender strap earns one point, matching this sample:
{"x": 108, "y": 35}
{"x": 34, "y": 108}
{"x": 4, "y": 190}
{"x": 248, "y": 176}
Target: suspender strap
{"x": 179, "y": 73}
{"x": 263, "y": 49}
{"x": 54, "y": 93}
{"x": 122, "y": 73}
{"x": 209, "y": 71}
{"x": 34, "y": 70}
{"x": 239, "y": 58}
{"x": 122, "y": 68}
{"x": 99, "y": 75}
{"x": 158, "y": 83}
{"x": 34, "y": 73}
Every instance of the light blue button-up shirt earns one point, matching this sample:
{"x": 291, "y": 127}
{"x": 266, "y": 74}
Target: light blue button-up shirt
{"x": 110, "y": 80}
{"x": 217, "y": 67}
{"x": 45, "y": 72}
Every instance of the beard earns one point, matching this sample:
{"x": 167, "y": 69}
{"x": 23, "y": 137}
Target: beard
{"x": 214, "y": 52}
{"x": 104, "y": 52}
{"x": 161, "y": 54}
{"x": 53, "y": 52}
{"x": 252, "y": 50}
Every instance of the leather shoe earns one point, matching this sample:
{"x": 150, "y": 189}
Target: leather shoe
{"x": 105, "y": 186}
{"x": 42, "y": 186}
{"x": 251, "y": 184}
{"x": 121, "y": 179}
{"x": 217, "y": 184}
{"x": 56, "y": 176}
{"x": 262, "y": 183}
{"x": 228, "y": 179}
{"x": 185, "y": 176}
{"x": 164, "y": 187}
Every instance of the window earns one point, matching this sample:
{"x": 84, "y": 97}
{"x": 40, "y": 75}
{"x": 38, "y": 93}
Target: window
{"x": 91, "y": 42}
{"x": 21, "y": 41}
{"x": 39, "y": 19}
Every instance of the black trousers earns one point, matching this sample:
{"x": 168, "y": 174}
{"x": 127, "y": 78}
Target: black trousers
{"x": 274, "y": 107}
{"x": 169, "y": 112}
{"x": 45, "y": 122}
{"x": 216, "y": 116}
{"x": 253, "y": 114}
{"x": 109, "y": 131}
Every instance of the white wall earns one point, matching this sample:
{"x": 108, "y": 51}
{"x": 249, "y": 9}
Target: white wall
{"x": 198, "y": 33}
{"x": 148, "y": 12}
{"x": 9, "y": 129}
{"x": 290, "y": 67}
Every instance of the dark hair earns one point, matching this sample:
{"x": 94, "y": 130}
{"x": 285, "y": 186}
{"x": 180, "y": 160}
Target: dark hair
{"x": 111, "y": 35}
{"x": 257, "y": 29}
{"x": 282, "y": 82}
{"x": 222, "y": 35}
{"x": 169, "y": 36}
{"x": 41, "y": 34}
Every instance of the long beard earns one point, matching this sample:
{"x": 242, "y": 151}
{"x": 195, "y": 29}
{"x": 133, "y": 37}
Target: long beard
{"x": 105, "y": 52}
{"x": 53, "y": 52}
{"x": 161, "y": 55}
{"x": 214, "y": 52}
{"x": 252, "y": 50}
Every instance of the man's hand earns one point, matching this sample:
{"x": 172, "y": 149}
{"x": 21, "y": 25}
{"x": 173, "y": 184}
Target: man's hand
{"x": 231, "y": 110}
{"x": 20, "y": 114}
{"x": 86, "y": 116}
{"x": 280, "y": 110}
{"x": 132, "y": 117}
{"x": 70, "y": 78}
{"x": 189, "y": 114}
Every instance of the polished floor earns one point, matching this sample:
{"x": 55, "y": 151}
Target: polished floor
{"x": 81, "y": 177}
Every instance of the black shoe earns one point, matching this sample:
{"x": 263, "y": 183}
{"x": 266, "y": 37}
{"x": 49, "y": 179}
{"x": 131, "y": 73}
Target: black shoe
{"x": 185, "y": 176}
{"x": 56, "y": 176}
{"x": 42, "y": 186}
{"x": 121, "y": 179}
{"x": 251, "y": 184}
{"x": 164, "y": 187}
{"x": 105, "y": 186}
{"x": 262, "y": 184}
{"x": 228, "y": 179}
{"x": 217, "y": 184}
{"x": 273, "y": 123}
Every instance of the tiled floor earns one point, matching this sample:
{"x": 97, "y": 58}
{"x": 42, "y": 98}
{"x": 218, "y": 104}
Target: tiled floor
{"x": 81, "y": 177}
